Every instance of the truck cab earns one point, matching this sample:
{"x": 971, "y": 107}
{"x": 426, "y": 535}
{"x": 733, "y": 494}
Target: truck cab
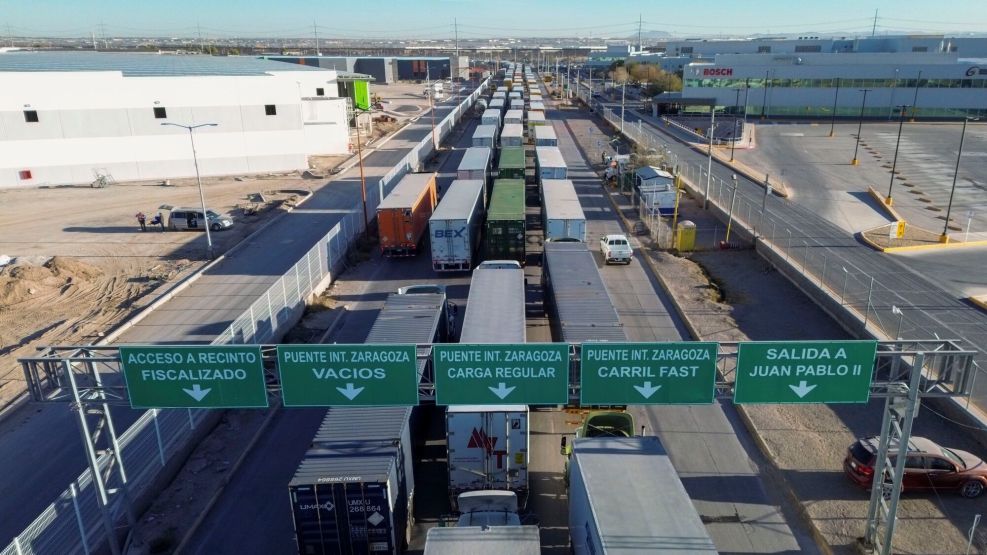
{"x": 616, "y": 248}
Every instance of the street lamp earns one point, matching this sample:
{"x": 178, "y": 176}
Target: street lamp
{"x": 836, "y": 96}
{"x": 198, "y": 180}
{"x": 860, "y": 126}
{"x": 901, "y": 315}
{"x": 709, "y": 163}
{"x": 363, "y": 179}
{"x": 733, "y": 144}
{"x": 944, "y": 238}
{"x": 894, "y": 163}
{"x": 733, "y": 199}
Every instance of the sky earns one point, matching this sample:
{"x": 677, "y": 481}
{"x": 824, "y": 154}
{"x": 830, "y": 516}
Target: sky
{"x": 433, "y": 19}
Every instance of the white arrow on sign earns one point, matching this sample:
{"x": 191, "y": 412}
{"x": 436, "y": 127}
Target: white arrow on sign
{"x": 802, "y": 389}
{"x": 349, "y": 391}
{"x": 647, "y": 390}
{"x": 501, "y": 390}
{"x": 197, "y": 392}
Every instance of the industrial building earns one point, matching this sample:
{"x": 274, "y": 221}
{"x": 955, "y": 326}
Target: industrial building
{"x": 933, "y": 86}
{"x": 388, "y": 69}
{"x": 74, "y": 117}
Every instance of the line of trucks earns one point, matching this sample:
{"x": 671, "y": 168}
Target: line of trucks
{"x": 355, "y": 489}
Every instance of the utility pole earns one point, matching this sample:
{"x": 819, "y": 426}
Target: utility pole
{"x": 198, "y": 31}
{"x": 315, "y": 29}
{"x": 95, "y": 48}
{"x": 623, "y": 93}
{"x": 639, "y": 48}
{"x": 873, "y": 29}
{"x": 455, "y": 25}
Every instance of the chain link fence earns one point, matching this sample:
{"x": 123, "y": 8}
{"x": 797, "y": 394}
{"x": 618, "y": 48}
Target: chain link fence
{"x": 73, "y": 523}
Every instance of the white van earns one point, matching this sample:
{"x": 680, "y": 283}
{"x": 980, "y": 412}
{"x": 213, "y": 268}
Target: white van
{"x": 180, "y": 218}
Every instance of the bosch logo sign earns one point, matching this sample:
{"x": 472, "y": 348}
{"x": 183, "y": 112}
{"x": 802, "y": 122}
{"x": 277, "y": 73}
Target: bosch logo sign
{"x": 976, "y": 71}
{"x": 717, "y": 71}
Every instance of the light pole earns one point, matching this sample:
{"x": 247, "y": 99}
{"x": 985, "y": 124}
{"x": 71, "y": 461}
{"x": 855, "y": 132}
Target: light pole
{"x": 894, "y": 162}
{"x": 709, "y": 162}
{"x": 623, "y": 94}
{"x": 944, "y": 238}
{"x": 363, "y": 180}
{"x": 918, "y": 81}
{"x": 860, "y": 125}
{"x": 733, "y": 199}
{"x": 901, "y": 315}
{"x": 198, "y": 180}
{"x": 747, "y": 93}
{"x": 836, "y": 96}
{"x": 733, "y": 144}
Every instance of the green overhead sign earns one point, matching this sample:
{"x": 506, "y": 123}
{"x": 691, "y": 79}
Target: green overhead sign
{"x": 804, "y": 372}
{"x": 529, "y": 374}
{"x": 213, "y": 376}
{"x": 647, "y": 373}
{"x": 348, "y": 375}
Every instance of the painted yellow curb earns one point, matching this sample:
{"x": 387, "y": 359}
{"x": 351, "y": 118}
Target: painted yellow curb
{"x": 980, "y": 301}
{"x": 937, "y": 246}
{"x": 886, "y": 207}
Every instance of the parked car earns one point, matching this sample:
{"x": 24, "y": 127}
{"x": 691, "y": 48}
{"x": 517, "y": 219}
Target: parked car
{"x": 928, "y": 466}
{"x": 181, "y": 218}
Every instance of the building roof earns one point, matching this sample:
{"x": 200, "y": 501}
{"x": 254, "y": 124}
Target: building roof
{"x": 144, "y": 64}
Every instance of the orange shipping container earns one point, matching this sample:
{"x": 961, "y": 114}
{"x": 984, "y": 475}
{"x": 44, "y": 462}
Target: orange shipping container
{"x": 403, "y": 216}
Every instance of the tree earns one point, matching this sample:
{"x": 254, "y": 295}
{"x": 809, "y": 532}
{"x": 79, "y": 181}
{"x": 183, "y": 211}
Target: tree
{"x": 665, "y": 82}
{"x": 619, "y": 75}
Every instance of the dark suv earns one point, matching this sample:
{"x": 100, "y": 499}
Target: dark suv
{"x": 927, "y": 466}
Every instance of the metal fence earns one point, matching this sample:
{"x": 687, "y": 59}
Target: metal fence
{"x": 801, "y": 242}
{"x": 73, "y": 523}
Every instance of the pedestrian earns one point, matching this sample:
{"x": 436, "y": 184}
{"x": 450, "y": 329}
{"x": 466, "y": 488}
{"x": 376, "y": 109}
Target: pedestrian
{"x": 142, "y": 220}
{"x": 158, "y": 221}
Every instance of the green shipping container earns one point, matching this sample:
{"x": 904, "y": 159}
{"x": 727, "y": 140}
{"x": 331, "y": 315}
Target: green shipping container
{"x": 511, "y": 165}
{"x": 504, "y": 238}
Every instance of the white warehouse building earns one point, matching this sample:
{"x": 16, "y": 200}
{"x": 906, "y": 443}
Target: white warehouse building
{"x": 71, "y": 117}
{"x": 931, "y": 85}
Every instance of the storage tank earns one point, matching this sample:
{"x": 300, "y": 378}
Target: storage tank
{"x": 403, "y": 215}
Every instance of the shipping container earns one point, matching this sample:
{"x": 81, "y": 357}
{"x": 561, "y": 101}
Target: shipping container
{"x": 352, "y": 431}
{"x": 625, "y": 497}
{"x": 483, "y": 540}
{"x": 513, "y": 135}
{"x": 504, "y": 233}
{"x": 562, "y": 215}
{"x": 491, "y": 116}
{"x": 503, "y": 88}
{"x": 487, "y": 448}
{"x": 498, "y": 104}
{"x": 454, "y": 228}
{"x": 350, "y": 500}
{"x": 517, "y": 104}
{"x": 495, "y": 308}
{"x": 402, "y": 217}
{"x": 545, "y": 136}
{"x": 535, "y": 119}
{"x": 499, "y": 94}
{"x": 417, "y": 314}
{"x": 536, "y": 106}
{"x": 485, "y": 135}
{"x": 514, "y": 94}
{"x": 514, "y": 116}
{"x": 475, "y": 163}
{"x": 579, "y": 306}
{"x": 549, "y": 163}
{"x": 512, "y": 163}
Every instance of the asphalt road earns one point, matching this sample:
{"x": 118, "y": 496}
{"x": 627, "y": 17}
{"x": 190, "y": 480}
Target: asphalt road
{"x": 825, "y": 249}
{"x": 42, "y": 444}
{"x": 701, "y": 440}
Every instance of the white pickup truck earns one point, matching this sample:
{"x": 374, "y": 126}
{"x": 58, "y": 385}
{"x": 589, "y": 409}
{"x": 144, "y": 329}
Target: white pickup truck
{"x": 616, "y": 248}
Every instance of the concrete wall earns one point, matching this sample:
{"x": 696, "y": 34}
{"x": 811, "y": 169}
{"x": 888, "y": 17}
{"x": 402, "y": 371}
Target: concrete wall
{"x": 93, "y": 123}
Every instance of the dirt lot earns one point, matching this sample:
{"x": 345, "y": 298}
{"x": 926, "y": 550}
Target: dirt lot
{"x": 80, "y": 264}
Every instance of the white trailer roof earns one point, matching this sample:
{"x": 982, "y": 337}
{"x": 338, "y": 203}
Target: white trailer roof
{"x": 495, "y": 307}
{"x": 638, "y": 501}
{"x": 485, "y": 131}
{"x": 549, "y": 157}
{"x": 407, "y": 191}
{"x": 535, "y": 116}
{"x": 561, "y": 200}
{"x": 475, "y": 158}
{"x": 483, "y": 540}
{"x": 545, "y": 132}
{"x": 459, "y": 200}
{"x": 513, "y": 130}
{"x": 514, "y": 113}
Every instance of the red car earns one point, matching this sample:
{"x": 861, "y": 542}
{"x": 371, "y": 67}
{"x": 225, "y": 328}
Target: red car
{"x": 928, "y": 466}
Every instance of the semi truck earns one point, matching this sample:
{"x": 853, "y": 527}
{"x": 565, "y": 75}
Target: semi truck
{"x": 403, "y": 215}
{"x": 562, "y": 214}
{"x": 488, "y": 525}
{"x": 454, "y": 228}
{"x": 625, "y": 497}
{"x": 487, "y": 449}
